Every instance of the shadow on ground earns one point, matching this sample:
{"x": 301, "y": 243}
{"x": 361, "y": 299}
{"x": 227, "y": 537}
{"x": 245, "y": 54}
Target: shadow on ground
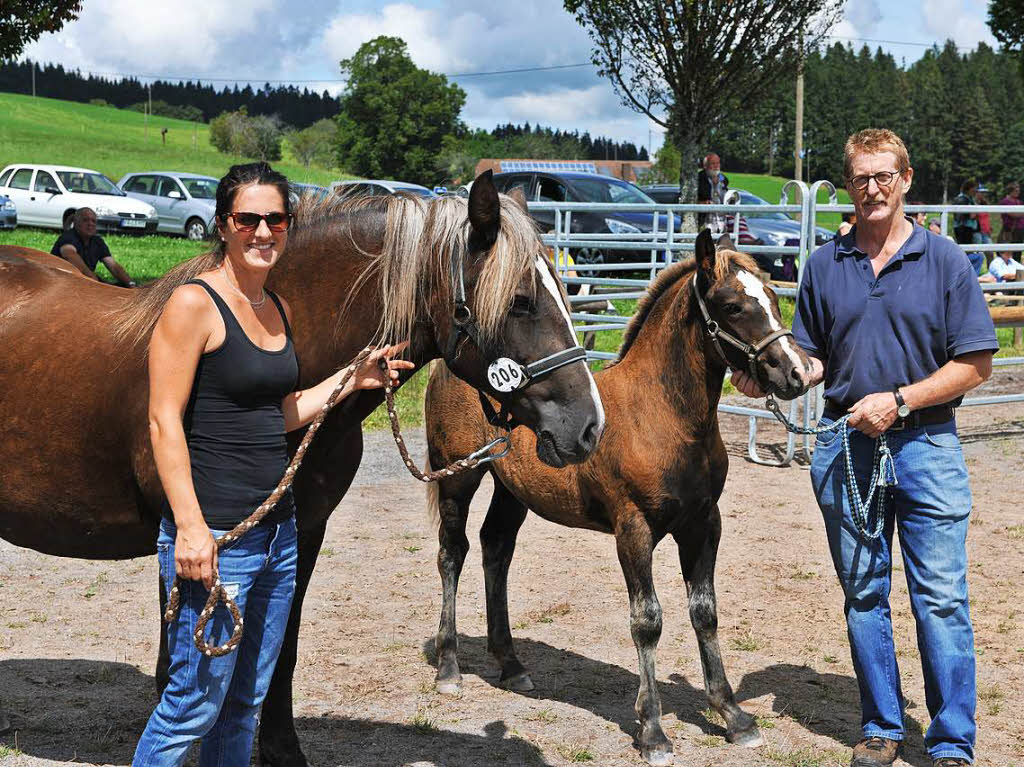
{"x": 824, "y": 704}
{"x": 92, "y": 711}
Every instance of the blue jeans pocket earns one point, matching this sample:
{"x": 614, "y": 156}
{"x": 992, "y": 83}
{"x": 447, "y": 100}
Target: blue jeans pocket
{"x": 942, "y": 436}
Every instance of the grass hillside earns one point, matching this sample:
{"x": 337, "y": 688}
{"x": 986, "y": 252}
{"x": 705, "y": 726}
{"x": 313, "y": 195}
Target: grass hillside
{"x": 114, "y": 141}
{"x": 770, "y": 187}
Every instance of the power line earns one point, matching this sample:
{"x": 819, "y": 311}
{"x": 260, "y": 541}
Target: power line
{"x": 200, "y": 78}
{"x": 890, "y": 42}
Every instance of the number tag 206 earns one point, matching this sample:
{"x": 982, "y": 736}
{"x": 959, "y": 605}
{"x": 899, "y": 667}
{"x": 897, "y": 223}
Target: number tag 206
{"x": 505, "y": 375}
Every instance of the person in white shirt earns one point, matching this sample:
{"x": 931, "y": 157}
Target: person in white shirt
{"x": 1003, "y": 269}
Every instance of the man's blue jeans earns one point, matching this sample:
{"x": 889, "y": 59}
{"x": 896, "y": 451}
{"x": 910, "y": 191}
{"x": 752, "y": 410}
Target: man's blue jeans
{"x": 929, "y": 508}
{"x": 218, "y": 699}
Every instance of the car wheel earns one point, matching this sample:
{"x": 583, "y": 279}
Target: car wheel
{"x": 195, "y": 229}
{"x": 69, "y": 217}
{"x": 587, "y": 256}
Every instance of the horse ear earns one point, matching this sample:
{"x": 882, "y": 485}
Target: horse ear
{"x": 484, "y": 211}
{"x": 519, "y": 198}
{"x": 725, "y": 243}
{"x": 704, "y": 253}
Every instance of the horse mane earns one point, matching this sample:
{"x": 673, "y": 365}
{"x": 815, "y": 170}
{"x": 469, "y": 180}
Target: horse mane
{"x": 672, "y": 275}
{"x": 420, "y": 239}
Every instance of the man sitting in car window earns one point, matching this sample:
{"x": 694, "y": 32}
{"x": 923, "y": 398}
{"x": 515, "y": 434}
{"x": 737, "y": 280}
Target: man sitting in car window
{"x": 82, "y": 247}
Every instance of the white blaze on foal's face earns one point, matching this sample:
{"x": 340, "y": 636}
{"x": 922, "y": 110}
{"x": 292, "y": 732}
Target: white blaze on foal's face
{"x": 548, "y": 281}
{"x": 755, "y": 289}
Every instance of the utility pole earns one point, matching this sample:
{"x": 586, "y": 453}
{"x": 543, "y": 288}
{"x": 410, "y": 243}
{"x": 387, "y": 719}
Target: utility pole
{"x": 798, "y": 143}
{"x": 149, "y": 108}
{"x": 33, "y": 79}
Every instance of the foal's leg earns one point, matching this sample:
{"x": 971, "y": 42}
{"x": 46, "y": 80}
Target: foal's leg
{"x": 498, "y": 540}
{"x": 697, "y": 555}
{"x": 635, "y": 546}
{"x": 454, "y": 496}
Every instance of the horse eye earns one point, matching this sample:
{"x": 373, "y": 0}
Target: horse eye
{"x": 522, "y": 306}
{"x": 733, "y": 309}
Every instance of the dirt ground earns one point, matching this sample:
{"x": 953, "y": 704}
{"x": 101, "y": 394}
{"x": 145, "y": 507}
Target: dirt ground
{"x": 78, "y": 639}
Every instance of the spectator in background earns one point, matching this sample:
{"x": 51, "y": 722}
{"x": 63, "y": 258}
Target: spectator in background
{"x": 1013, "y": 223}
{"x": 849, "y": 221}
{"x": 712, "y": 185}
{"x": 920, "y": 218}
{"x": 965, "y": 225}
{"x": 84, "y": 249}
{"x": 1003, "y": 269}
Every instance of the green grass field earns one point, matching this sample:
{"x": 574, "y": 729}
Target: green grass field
{"x": 115, "y": 141}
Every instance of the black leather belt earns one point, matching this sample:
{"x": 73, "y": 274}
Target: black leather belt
{"x": 928, "y": 416}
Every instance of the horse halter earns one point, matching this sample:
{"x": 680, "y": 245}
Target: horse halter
{"x": 752, "y": 351}
{"x": 505, "y": 375}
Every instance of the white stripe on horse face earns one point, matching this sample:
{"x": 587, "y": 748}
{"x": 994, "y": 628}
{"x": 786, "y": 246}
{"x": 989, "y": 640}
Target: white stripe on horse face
{"x": 556, "y": 295}
{"x": 755, "y": 289}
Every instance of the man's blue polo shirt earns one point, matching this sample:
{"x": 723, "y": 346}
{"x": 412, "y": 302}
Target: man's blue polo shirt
{"x": 873, "y": 334}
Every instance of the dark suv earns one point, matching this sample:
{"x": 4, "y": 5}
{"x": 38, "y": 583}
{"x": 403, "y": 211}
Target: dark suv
{"x": 550, "y": 186}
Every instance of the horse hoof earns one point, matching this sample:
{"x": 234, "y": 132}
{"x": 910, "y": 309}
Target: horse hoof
{"x": 521, "y": 682}
{"x": 750, "y": 738}
{"x": 449, "y": 687}
{"x": 659, "y": 756}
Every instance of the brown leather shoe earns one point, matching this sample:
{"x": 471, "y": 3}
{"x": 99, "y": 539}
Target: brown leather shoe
{"x": 875, "y": 752}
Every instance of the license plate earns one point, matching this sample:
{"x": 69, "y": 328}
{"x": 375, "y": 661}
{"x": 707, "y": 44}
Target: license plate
{"x": 135, "y": 223}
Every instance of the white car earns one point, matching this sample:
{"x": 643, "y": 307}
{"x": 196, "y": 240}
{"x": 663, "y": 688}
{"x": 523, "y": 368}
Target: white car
{"x": 374, "y": 186}
{"x": 48, "y": 196}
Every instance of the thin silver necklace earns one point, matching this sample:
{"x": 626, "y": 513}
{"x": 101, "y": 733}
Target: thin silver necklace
{"x": 253, "y": 304}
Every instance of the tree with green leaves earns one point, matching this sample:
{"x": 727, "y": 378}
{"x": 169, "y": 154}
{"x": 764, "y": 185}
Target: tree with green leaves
{"x": 688, "y": 65}
{"x": 394, "y": 116}
{"x": 1006, "y": 20}
{"x": 258, "y": 137}
{"x": 314, "y": 144}
{"x": 23, "y": 21}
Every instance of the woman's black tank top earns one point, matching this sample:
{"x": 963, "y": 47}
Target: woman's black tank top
{"x": 234, "y": 426}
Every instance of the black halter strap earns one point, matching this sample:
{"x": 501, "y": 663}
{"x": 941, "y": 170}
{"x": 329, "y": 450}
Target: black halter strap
{"x": 464, "y": 326}
{"x": 752, "y": 351}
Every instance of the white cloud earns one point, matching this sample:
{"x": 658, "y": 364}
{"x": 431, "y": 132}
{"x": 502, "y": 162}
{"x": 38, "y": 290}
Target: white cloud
{"x": 183, "y": 37}
{"x": 963, "y": 21}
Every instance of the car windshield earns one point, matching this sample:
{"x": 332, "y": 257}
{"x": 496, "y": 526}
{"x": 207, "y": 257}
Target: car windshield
{"x": 607, "y": 190}
{"x": 201, "y": 188}
{"x": 88, "y": 183}
{"x": 415, "y": 190}
{"x": 746, "y": 198}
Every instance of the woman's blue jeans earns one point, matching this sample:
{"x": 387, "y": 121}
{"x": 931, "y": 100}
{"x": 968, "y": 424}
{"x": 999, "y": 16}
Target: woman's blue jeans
{"x": 929, "y": 508}
{"x": 218, "y": 699}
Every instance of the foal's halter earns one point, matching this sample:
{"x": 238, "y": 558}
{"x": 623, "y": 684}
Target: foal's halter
{"x": 505, "y": 375}
{"x": 752, "y": 351}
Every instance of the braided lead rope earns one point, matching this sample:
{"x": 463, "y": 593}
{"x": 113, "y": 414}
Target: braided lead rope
{"x": 218, "y": 593}
{"x": 478, "y": 458}
{"x": 883, "y": 471}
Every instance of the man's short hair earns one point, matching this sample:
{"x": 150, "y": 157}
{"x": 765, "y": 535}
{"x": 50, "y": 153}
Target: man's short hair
{"x": 708, "y": 156}
{"x": 969, "y": 183}
{"x": 1011, "y": 185}
{"x": 81, "y": 212}
{"x": 873, "y": 141}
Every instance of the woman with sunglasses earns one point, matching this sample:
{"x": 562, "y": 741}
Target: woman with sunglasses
{"x": 223, "y": 374}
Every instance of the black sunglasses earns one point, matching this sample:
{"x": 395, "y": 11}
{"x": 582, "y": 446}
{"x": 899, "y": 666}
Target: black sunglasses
{"x": 249, "y": 222}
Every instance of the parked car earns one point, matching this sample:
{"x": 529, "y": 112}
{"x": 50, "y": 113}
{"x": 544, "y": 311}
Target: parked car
{"x": 571, "y": 186}
{"x": 49, "y": 195}
{"x": 755, "y": 228}
{"x": 185, "y": 202}
{"x": 378, "y": 186}
{"x": 8, "y": 213}
{"x": 297, "y": 189}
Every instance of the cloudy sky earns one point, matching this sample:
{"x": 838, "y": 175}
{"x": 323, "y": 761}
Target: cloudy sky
{"x": 287, "y": 40}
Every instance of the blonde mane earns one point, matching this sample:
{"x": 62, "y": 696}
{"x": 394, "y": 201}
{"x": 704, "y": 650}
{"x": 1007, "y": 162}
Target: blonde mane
{"x": 724, "y": 262}
{"x": 421, "y": 238}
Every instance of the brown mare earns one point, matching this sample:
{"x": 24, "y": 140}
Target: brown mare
{"x": 78, "y": 473}
{"x": 658, "y": 471}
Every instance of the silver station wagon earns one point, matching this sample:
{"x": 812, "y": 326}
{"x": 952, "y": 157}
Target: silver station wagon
{"x": 185, "y": 202}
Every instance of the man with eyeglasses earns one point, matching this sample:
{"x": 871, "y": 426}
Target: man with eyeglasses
{"x": 84, "y": 249}
{"x": 895, "y": 324}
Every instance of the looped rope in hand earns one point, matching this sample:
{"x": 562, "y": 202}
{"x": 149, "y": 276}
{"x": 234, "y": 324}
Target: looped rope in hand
{"x": 219, "y": 594}
{"x": 883, "y": 471}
